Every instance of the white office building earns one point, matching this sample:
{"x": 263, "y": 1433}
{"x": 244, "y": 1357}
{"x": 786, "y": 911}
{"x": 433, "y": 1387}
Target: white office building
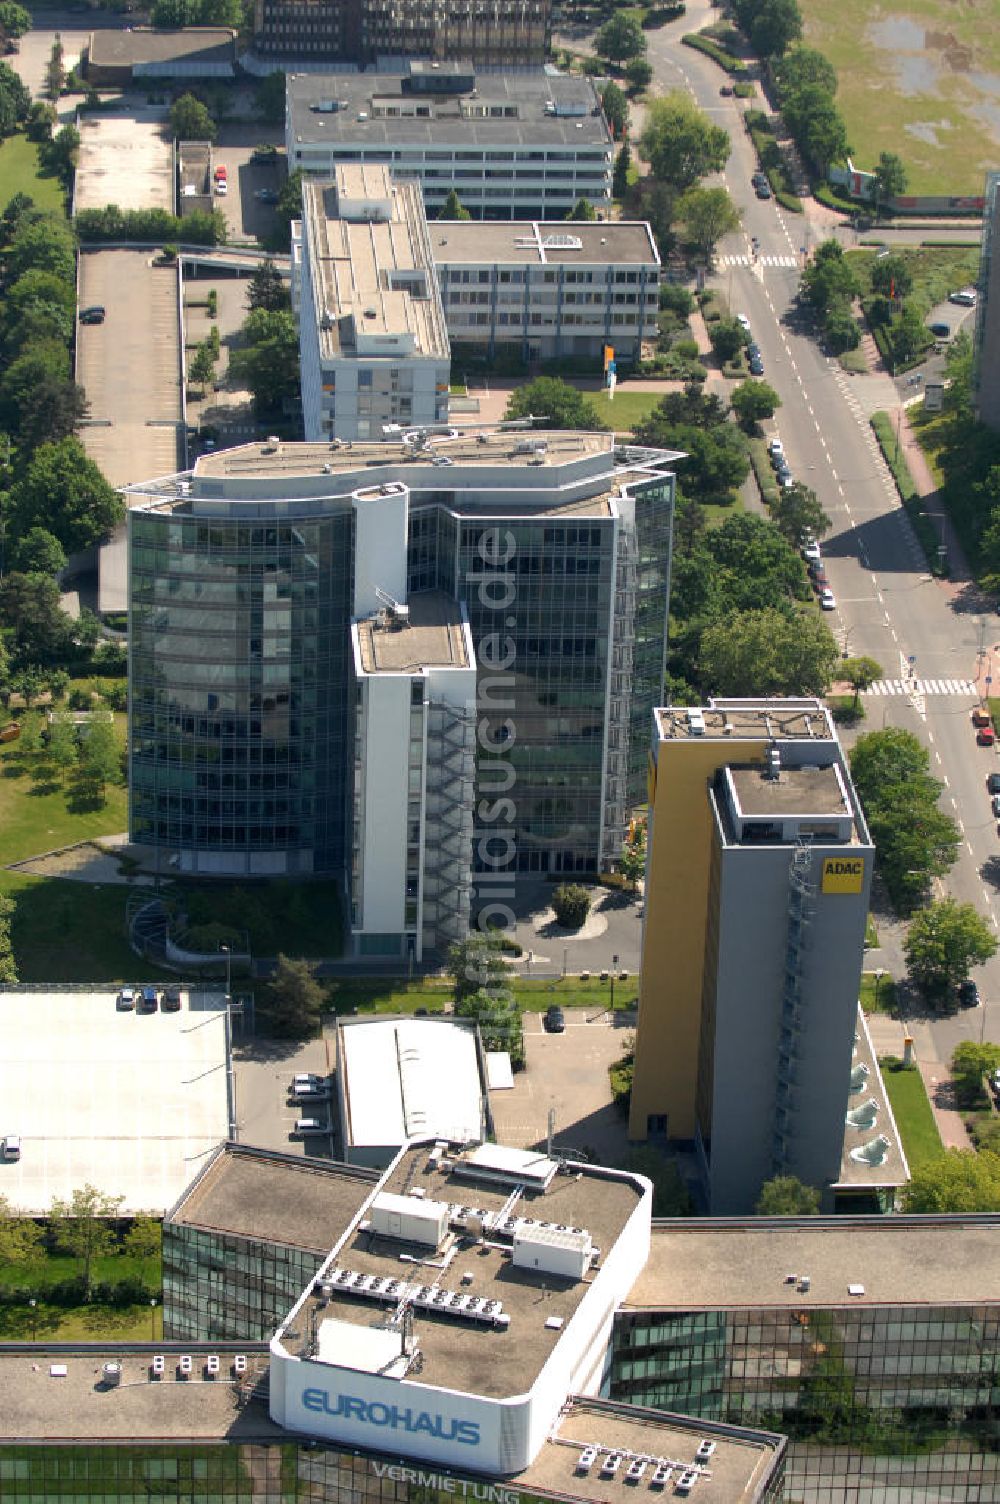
{"x": 372, "y": 336}
{"x": 522, "y": 145}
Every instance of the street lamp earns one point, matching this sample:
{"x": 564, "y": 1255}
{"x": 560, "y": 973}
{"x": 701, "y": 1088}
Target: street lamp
{"x": 152, "y": 1320}
{"x": 229, "y": 972}
{"x": 33, "y": 1303}
{"x": 879, "y": 974}
{"x": 614, "y": 968}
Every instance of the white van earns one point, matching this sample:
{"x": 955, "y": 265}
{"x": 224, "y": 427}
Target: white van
{"x": 12, "y": 1146}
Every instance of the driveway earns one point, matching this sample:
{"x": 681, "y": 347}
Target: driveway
{"x": 264, "y": 1114}
{"x": 567, "y": 1074}
{"x": 247, "y": 218}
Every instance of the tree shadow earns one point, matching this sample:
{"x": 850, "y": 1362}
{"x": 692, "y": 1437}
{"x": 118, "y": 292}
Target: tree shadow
{"x": 85, "y": 795}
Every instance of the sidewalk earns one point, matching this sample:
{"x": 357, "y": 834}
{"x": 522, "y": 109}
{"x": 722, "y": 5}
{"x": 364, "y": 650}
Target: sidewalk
{"x": 887, "y": 1036}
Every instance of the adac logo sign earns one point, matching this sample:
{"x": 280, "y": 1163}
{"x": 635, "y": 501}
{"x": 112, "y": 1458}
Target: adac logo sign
{"x": 392, "y": 1417}
{"x": 843, "y": 874}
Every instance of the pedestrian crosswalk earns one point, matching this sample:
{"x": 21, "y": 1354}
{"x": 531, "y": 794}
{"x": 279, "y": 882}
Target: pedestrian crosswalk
{"x": 924, "y": 687}
{"x": 758, "y": 260}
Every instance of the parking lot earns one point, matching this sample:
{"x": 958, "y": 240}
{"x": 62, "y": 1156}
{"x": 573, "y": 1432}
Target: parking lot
{"x": 265, "y": 1115}
{"x": 129, "y": 366}
{"x": 247, "y": 217}
{"x": 130, "y": 1103}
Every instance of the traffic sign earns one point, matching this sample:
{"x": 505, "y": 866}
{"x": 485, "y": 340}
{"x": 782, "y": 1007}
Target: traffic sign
{"x": 912, "y": 658}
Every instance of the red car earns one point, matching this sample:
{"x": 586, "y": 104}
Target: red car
{"x": 986, "y": 736}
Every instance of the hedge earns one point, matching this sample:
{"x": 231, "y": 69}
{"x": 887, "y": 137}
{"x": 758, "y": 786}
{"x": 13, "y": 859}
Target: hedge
{"x": 150, "y": 225}
{"x": 712, "y": 49}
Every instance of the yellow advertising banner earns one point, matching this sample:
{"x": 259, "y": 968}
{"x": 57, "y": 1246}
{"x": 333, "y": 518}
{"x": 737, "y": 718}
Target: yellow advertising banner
{"x": 843, "y": 874}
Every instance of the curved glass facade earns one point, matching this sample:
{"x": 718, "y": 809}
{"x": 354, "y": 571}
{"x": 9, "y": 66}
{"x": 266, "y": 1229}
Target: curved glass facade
{"x": 239, "y": 727}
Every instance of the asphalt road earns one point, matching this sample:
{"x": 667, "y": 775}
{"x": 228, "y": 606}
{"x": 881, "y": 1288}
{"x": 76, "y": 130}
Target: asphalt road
{"x": 888, "y": 605}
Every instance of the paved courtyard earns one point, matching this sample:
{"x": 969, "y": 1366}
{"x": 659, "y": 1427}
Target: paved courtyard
{"x": 131, "y": 1103}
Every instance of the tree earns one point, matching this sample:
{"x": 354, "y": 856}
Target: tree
{"x": 144, "y": 1239}
{"x": 638, "y": 74}
{"x": 39, "y": 401}
{"x": 289, "y": 205}
{"x": 970, "y": 1062}
{"x": 42, "y": 117}
{"x": 785, "y": 1196}
{"x": 571, "y": 902}
{"x": 621, "y": 38}
{"x": 14, "y": 20}
{"x": 776, "y": 24}
{"x": 860, "y": 673}
{"x": 28, "y": 682}
{"x": 295, "y": 998}
{"x": 267, "y": 290}
{"x": 680, "y": 142}
{"x": 959, "y": 1180}
{"x": 891, "y": 276}
{"x": 887, "y": 181}
{"x": 32, "y": 726}
{"x": 615, "y": 109}
{"x": 202, "y": 368}
{"x": 909, "y": 335}
{"x": 100, "y": 755}
{"x": 55, "y": 72}
{"x": 269, "y": 99}
{"x": 452, "y": 208}
{"x": 19, "y": 1236}
{"x": 582, "y": 210}
{"x": 44, "y": 242}
{"x": 754, "y": 401}
{"x": 632, "y": 862}
{"x": 190, "y": 120}
{"x": 83, "y": 1227}
{"x": 62, "y": 740}
{"x": 268, "y": 362}
{"x": 943, "y": 942}
{"x": 15, "y": 101}
{"x": 796, "y": 511}
{"x": 695, "y": 423}
{"x": 477, "y": 964}
{"x": 767, "y": 652}
{"x": 671, "y": 1197}
{"x": 757, "y": 567}
{"x": 829, "y": 276}
{"x": 62, "y": 152}
{"x": 914, "y": 840}
{"x": 63, "y": 491}
{"x": 622, "y": 168}
{"x": 39, "y": 288}
{"x": 499, "y": 1019}
{"x": 707, "y": 214}
{"x": 801, "y": 66}
{"x": 554, "y": 402}
{"x": 38, "y": 552}
{"x": 8, "y": 973}
{"x": 728, "y": 339}
{"x": 30, "y": 610}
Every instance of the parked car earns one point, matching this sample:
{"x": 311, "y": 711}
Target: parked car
{"x": 743, "y": 322}
{"x": 965, "y": 298}
{"x": 968, "y": 993}
{"x": 221, "y": 187}
{"x": 306, "y": 1126}
{"x": 314, "y": 1091}
{"x": 11, "y": 1146}
{"x": 95, "y": 314}
{"x": 762, "y": 189}
{"x": 726, "y": 91}
{"x": 811, "y": 552}
{"x": 756, "y": 366}
{"x": 555, "y": 1020}
{"x": 147, "y": 1000}
{"x": 828, "y": 601}
{"x": 819, "y": 581}
{"x": 171, "y": 1000}
{"x": 942, "y": 331}
{"x": 304, "y": 1078}
{"x": 775, "y": 449}
{"x": 993, "y": 783}
{"x": 986, "y": 736}
{"x": 221, "y": 172}
{"x": 126, "y": 1000}
{"x": 995, "y": 806}
{"x": 267, "y": 195}
{"x": 981, "y": 716}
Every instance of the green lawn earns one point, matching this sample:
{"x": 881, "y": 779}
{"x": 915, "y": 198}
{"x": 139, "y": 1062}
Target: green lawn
{"x": 625, "y": 410}
{"x": 926, "y": 107}
{"x": 66, "y": 931}
{"x": 877, "y": 996}
{"x": 40, "y": 809}
{"x": 912, "y": 1111}
{"x": 20, "y": 173}
{"x": 81, "y": 1323}
{"x": 937, "y": 270}
{"x": 389, "y": 995}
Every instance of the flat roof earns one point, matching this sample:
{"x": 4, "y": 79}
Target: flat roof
{"x": 404, "y": 1078}
{"x": 717, "y": 1264}
{"x": 537, "y": 242}
{"x": 432, "y": 636}
{"x": 796, "y": 791}
{"x": 78, "y": 1406}
{"x": 124, "y": 160}
{"x": 464, "y": 1355}
{"x": 278, "y": 1198}
{"x": 576, "y": 119}
{"x": 374, "y": 290}
{"x": 738, "y": 1469}
{"x": 142, "y": 44}
{"x": 868, "y": 1118}
{"x": 132, "y": 1103}
{"x": 748, "y": 720}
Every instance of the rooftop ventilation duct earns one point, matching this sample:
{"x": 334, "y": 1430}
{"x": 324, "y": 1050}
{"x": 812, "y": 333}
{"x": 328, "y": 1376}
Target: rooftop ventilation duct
{"x": 863, "y": 1117}
{"x": 873, "y": 1153}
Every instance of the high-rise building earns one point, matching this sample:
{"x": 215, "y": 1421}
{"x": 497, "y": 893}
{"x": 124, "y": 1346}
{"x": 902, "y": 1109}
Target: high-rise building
{"x": 491, "y": 33}
{"x": 987, "y": 341}
{"x": 511, "y": 145}
{"x": 756, "y": 901}
{"x": 372, "y": 336}
{"x": 427, "y": 665}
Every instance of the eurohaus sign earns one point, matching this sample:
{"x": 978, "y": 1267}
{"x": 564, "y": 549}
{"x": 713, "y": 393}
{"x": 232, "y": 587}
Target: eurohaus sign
{"x": 392, "y": 1417}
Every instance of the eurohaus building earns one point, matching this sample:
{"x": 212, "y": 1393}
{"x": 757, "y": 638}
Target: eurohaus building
{"x": 496, "y": 1325}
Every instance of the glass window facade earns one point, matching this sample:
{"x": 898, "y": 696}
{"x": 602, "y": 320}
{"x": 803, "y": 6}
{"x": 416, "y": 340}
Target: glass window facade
{"x": 239, "y": 724}
{"x": 877, "y": 1402}
{"x": 217, "y": 1287}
